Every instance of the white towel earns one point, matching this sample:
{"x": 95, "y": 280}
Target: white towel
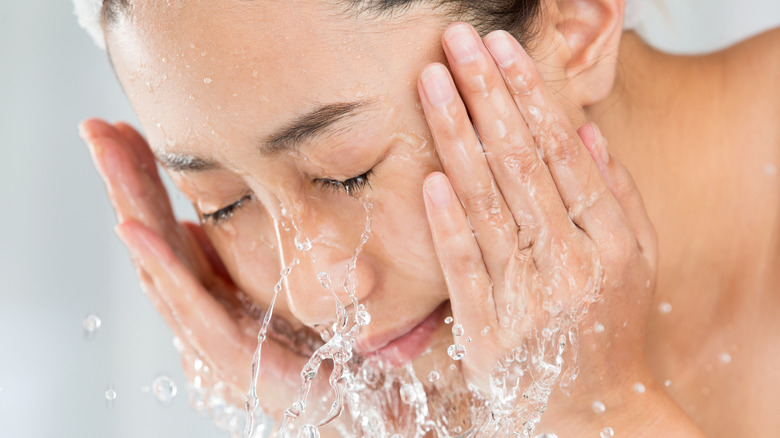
{"x": 88, "y": 13}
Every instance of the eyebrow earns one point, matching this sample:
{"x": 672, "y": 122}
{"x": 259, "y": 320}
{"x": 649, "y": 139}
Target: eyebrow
{"x": 312, "y": 124}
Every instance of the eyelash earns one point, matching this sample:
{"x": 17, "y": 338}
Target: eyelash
{"x": 350, "y": 186}
{"x": 223, "y": 214}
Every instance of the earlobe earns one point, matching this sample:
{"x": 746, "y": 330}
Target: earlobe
{"x": 591, "y": 30}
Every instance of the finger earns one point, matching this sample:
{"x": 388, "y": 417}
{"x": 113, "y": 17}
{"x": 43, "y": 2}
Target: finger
{"x": 134, "y": 193}
{"x": 461, "y": 156}
{"x": 191, "y": 305}
{"x": 589, "y": 202}
{"x": 623, "y": 188}
{"x": 213, "y": 259}
{"x": 522, "y": 178}
{"x": 204, "y": 322}
{"x": 459, "y": 255}
{"x": 143, "y": 153}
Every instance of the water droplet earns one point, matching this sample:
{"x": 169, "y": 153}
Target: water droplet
{"x": 324, "y": 279}
{"x": 302, "y": 243}
{"x": 110, "y": 394}
{"x": 207, "y": 80}
{"x": 638, "y": 388}
{"x": 547, "y": 435}
{"x": 308, "y": 431}
{"x": 433, "y": 376}
{"x": 598, "y": 407}
{"x": 456, "y": 351}
{"x": 92, "y": 323}
{"x": 668, "y": 383}
{"x": 547, "y": 333}
{"x": 607, "y": 432}
{"x": 408, "y": 394}
{"x": 295, "y": 409}
{"x": 725, "y": 358}
{"x": 457, "y": 330}
{"x": 178, "y": 345}
{"x": 362, "y": 317}
{"x": 468, "y": 340}
{"x": 665, "y": 308}
{"x": 485, "y": 331}
{"x": 598, "y": 328}
{"x": 309, "y": 371}
{"x": 397, "y": 435}
{"x": 448, "y": 320}
{"x": 197, "y": 364}
{"x": 164, "y": 389}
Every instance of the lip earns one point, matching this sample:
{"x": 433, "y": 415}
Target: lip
{"x": 399, "y": 347}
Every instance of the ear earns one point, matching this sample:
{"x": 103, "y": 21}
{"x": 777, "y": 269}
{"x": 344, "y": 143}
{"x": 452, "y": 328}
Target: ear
{"x": 587, "y": 33}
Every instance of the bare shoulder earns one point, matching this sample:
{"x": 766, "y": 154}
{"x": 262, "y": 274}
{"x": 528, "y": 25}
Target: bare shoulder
{"x": 756, "y": 61}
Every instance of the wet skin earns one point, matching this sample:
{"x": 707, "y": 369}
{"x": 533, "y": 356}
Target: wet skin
{"x": 220, "y": 104}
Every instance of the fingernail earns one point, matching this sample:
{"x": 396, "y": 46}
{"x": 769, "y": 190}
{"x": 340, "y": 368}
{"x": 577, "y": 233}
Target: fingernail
{"x": 462, "y": 43}
{"x": 601, "y": 143}
{"x": 501, "y": 48}
{"x": 437, "y": 85}
{"x": 83, "y": 133}
{"x": 438, "y": 192}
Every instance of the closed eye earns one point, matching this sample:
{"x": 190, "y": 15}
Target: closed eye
{"x": 350, "y": 186}
{"x": 224, "y": 214}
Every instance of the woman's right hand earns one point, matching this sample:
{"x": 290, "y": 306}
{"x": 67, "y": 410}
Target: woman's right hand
{"x": 184, "y": 277}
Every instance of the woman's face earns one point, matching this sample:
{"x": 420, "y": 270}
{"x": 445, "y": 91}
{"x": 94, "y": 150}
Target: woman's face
{"x": 269, "y": 104}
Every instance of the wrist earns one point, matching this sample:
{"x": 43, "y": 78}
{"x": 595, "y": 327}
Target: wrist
{"x": 625, "y": 407}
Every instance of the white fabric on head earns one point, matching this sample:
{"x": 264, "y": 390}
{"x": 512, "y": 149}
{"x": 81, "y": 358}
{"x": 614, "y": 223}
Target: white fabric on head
{"x": 634, "y": 14}
{"x": 88, "y": 13}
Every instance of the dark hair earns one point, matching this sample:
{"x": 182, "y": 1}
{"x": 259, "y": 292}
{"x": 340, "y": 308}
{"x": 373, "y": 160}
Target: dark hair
{"x": 515, "y": 16}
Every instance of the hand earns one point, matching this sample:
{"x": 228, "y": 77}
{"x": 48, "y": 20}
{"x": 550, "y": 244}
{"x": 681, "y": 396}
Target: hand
{"x": 533, "y": 222}
{"x": 183, "y": 276}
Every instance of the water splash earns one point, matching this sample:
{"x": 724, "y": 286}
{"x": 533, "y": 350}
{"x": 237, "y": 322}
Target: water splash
{"x": 252, "y": 400}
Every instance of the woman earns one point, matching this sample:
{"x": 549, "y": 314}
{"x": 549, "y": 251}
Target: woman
{"x": 289, "y": 123}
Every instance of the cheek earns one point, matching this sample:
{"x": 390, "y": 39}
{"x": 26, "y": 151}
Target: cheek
{"x": 249, "y": 251}
{"x": 401, "y": 227}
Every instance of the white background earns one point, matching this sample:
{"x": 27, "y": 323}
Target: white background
{"x": 60, "y": 260}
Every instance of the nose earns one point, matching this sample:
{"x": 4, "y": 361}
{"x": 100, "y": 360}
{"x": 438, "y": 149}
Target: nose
{"x": 333, "y": 267}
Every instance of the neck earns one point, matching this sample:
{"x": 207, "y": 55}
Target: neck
{"x": 642, "y": 98}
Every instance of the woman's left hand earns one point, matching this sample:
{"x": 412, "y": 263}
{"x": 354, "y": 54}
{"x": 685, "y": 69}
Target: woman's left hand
{"x": 533, "y": 219}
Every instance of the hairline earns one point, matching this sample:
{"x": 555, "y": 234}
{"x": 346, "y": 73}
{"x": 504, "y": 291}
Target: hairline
{"x": 476, "y": 14}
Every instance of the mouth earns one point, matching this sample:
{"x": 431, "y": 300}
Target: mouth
{"x": 399, "y": 347}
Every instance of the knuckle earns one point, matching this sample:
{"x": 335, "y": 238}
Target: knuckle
{"x": 622, "y": 254}
{"x": 523, "y": 82}
{"x": 623, "y": 184}
{"x": 462, "y": 262}
{"x": 479, "y": 80}
{"x": 482, "y": 202}
{"x": 579, "y": 206}
{"x": 559, "y": 147}
{"x": 522, "y": 159}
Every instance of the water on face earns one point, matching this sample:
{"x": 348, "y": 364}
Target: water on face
{"x": 367, "y": 399}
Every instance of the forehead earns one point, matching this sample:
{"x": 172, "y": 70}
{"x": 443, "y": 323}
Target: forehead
{"x": 219, "y": 64}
